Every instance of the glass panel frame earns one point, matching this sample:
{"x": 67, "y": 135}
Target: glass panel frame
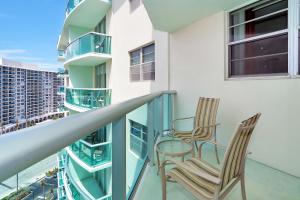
{"x": 291, "y": 63}
{"x": 142, "y": 64}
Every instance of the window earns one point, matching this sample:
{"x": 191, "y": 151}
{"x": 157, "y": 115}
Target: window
{"x": 259, "y": 40}
{"x": 101, "y": 27}
{"x": 138, "y": 139}
{"x": 100, "y": 76}
{"x": 142, "y": 64}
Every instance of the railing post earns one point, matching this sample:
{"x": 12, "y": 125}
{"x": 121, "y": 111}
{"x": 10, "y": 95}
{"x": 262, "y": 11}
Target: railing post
{"x": 151, "y": 131}
{"x": 160, "y": 114}
{"x": 119, "y": 159}
{"x": 171, "y": 109}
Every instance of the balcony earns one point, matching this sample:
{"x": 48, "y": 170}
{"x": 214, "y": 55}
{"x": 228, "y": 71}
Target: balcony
{"x": 92, "y": 154}
{"x": 90, "y": 49}
{"x": 82, "y": 13}
{"x": 61, "y": 90}
{"x": 132, "y": 162}
{"x": 71, "y": 5}
{"x": 261, "y": 183}
{"x": 87, "y": 186}
{"x": 83, "y": 99}
{"x": 61, "y": 55}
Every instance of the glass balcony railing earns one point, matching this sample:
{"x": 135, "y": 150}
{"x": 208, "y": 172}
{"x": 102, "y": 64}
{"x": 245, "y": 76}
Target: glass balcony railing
{"x": 132, "y": 127}
{"x": 71, "y": 5}
{"x": 61, "y": 90}
{"x": 92, "y": 155}
{"x": 83, "y": 186}
{"x": 89, "y": 43}
{"x": 88, "y": 98}
{"x": 61, "y": 53}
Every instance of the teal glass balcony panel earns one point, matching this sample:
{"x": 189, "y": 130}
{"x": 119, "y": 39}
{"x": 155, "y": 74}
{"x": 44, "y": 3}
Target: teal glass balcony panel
{"x": 75, "y": 193}
{"x": 143, "y": 126}
{"x": 89, "y": 43}
{"x": 61, "y": 90}
{"x": 92, "y": 155}
{"x": 61, "y": 53}
{"x": 167, "y": 104}
{"x": 60, "y": 176}
{"x": 132, "y": 126}
{"x": 86, "y": 185}
{"x": 27, "y": 178}
{"x": 61, "y": 193}
{"x": 88, "y": 98}
{"x": 136, "y": 143}
{"x": 71, "y": 5}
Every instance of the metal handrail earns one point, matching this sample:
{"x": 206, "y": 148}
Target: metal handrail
{"x": 23, "y": 148}
{"x": 89, "y": 33}
{"x": 94, "y": 145}
{"x": 92, "y": 89}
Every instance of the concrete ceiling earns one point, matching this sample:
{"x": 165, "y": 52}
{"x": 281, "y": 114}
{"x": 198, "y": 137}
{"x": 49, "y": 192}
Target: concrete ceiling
{"x": 87, "y": 15}
{"x": 171, "y": 15}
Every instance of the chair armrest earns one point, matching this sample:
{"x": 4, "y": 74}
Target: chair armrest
{"x": 199, "y": 173}
{"x": 184, "y": 118}
{"x": 214, "y": 143}
{"x": 181, "y": 119}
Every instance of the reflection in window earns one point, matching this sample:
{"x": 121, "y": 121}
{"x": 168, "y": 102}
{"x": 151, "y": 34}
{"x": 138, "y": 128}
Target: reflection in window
{"x": 138, "y": 139}
{"x": 142, "y": 63}
{"x": 258, "y": 39}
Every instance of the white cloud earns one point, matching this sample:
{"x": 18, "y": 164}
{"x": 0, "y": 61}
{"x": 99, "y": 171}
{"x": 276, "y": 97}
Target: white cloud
{"x": 7, "y": 52}
{"x": 48, "y": 65}
{"x": 18, "y": 55}
{"x": 23, "y": 55}
{"x": 24, "y": 58}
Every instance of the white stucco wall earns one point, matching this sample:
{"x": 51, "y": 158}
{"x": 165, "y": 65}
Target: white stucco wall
{"x": 131, "y": 29}
{"x": 197, "y": 69}
{"x": 75, "y": 32}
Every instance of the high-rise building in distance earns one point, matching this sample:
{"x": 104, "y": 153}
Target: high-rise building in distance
{"x": 27, "y": 92}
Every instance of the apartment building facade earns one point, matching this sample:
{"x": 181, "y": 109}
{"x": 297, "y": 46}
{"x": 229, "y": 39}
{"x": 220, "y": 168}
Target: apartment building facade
{"x": 27, "y": 92}
{"x": 117, "y": 50}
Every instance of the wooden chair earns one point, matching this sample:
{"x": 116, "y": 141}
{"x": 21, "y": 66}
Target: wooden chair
{"x": 207, "y": 182}
{"x": 205, "y": 125}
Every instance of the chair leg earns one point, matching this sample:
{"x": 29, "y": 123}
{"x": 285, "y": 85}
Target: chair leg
{"x": 196, "y": 145}
{"x": 217, "y": 154}
{"x": 163, "y": 183}
{"x": 243, "y": 187}
{"x": 200, "y": 150}
{"x": 216, "y": 148}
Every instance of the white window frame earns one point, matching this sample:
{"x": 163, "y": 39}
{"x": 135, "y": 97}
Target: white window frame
{"x": 140, "y": 65}
{"x": 293, "y": 51}
{"x": 140, "y": 139}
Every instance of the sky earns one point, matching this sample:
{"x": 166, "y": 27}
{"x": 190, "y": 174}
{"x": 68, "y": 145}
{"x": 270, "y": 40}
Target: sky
{"x": 29, "y": 30}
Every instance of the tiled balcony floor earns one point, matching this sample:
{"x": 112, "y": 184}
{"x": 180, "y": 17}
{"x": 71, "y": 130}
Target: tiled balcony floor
{"x": 262, "y": 183}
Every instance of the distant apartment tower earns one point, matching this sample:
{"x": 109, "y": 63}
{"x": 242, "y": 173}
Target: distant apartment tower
{"x": 27, "y": 92}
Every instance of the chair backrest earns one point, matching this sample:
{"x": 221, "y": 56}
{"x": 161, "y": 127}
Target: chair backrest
{"x": 206, "y": 114}
{"x": 235, "y": 156}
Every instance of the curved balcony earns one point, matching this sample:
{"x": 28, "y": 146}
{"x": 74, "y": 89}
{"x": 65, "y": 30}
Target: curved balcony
{"x": 82, "y": 185}
{"x": 61, "y": 90}
{"x": 92, "y": 154}
{"x": 82, "y": 13}
{"x": 61, "y": 55}
{"x": 90, "y": 49}
{"x": 83, "y": 99}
